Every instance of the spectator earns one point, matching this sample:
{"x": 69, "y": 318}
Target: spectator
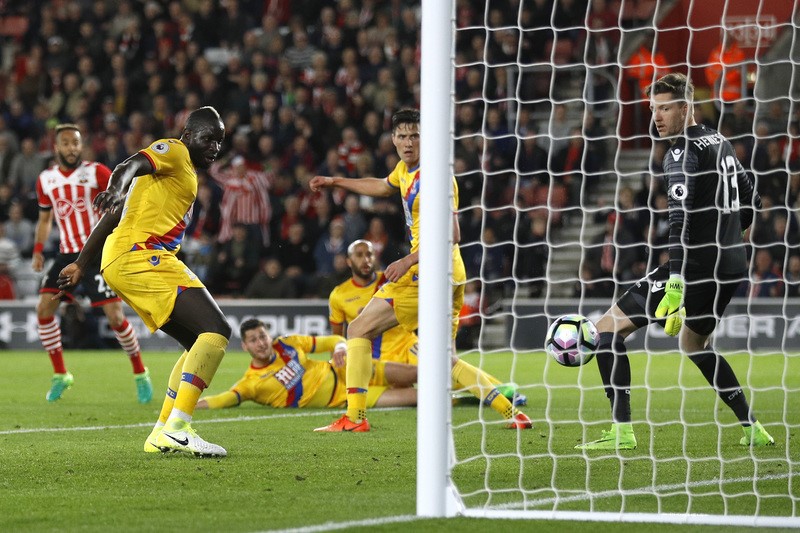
{"x": 245, "y": 199}
{"x": 9, "y": 254}
{"x": 271, "y": 282}
{"x": 792, "y": 277}
{"x": 764, "y": 281}
{"x": 329, "y": 245}
{"x": 296, "y": 256}
{"x": 237, "y": 262}
{"x": 20, "y": 230}
{"x": 26, "y": 166}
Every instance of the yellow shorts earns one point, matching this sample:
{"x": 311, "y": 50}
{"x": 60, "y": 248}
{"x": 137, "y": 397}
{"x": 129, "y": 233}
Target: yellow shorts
{"x": 403, "y": 296}
{"x": 149, "y": 281}
{"x": 377, "y": 386}
{"x": 405, "y": 352}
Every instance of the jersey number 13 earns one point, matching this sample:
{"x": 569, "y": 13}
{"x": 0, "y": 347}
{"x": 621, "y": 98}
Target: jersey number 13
{"x": 730, "y": 185}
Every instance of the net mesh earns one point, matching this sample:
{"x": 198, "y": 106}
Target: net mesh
{"x": 563, "y": 207}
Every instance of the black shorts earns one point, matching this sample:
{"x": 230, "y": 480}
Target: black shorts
{"x": 92, "y": 284}
{"x": 704, "y": 300}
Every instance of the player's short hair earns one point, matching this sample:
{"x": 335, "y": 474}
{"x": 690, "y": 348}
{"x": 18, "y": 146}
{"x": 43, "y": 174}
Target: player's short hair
{"x": 204, "y": 116}
{"x": 352, "y": 247}
{"x": 676, "y": 84}
{"x": 250, "y": 324}
{"x": 405, "y": 116}
{"x": 67, "y": 127}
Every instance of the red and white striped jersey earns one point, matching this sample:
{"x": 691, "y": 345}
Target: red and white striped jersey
{"x": 70, "y": 195}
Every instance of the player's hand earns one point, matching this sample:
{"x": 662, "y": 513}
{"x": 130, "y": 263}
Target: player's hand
{"x": 338, "y": 355}
{"x": 397, "y": 269}
{"x": 37, "y": 261}
{"x": 670, "y": 306}
{"x": 320, "y": 182}
{"x": 68, "y": 278}
{"x": 108, "y": 201}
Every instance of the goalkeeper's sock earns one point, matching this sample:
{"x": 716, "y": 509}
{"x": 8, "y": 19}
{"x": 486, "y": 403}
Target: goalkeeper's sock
{"x": 615, "y": 371}
{"x": 466, "y": 376}
{"x": 198, "y": 370}
{"x": 357, "y": 375}
{"x": 721, "y": 377}
{"x": 172, "y": 389}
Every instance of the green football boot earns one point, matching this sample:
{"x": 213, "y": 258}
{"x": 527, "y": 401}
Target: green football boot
{"x": 619, "y": 437}
{"x": 58, "y": 385}
{"x": 756, "y": 435}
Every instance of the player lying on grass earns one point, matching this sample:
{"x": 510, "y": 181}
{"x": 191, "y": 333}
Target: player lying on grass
{"x": 282, "y": 375}
{"x": 397, "y": 344}
{"x": 711, "y": 200}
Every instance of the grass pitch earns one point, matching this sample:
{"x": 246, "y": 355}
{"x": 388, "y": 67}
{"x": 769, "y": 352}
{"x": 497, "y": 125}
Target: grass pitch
{"x": 77, "y": 464}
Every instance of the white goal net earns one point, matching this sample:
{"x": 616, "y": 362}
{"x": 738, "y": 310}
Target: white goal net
{"x": 563, "y": 208}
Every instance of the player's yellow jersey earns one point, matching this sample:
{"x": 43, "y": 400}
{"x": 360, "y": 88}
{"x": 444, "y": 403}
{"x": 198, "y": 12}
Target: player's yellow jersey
{"x": 346, "y": 302}
{"x": 407, "y": 181}
{"x": 291, "y": 379}
{"x": 158, "y": 205}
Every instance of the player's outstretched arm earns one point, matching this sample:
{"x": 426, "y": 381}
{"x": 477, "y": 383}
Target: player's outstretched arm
{"x": 219, "y": 401}
{"x": 366, "y": 186}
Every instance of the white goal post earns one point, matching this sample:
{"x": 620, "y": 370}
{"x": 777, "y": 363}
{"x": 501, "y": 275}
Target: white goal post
{"x": 534, "y": 474}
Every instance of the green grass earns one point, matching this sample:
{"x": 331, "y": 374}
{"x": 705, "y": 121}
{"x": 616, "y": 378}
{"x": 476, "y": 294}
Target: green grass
{"x": 77, "y": 464}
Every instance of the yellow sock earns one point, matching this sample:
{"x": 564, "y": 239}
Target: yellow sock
{"x": 477, "y": 381}
{"x": 357, "y": 376}
{"x": 172, "y": 388}
{"x": 199, "y": 368}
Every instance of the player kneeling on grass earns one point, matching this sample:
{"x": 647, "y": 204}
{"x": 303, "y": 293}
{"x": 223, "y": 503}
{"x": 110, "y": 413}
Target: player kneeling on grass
{"x": 282, "y": 375}
{"x": 711, "y": 201}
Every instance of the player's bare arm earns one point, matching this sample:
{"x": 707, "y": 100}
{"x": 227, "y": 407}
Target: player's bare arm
{"x": 113, "y": 197}
{"x": 71, "y": 274}
{"x": 398, "y": 268}
{"x": 43, "y": 226}
{"x": 367, "y": 186}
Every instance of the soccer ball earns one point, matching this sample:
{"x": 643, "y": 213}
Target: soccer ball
{"x": 572, "y": 340}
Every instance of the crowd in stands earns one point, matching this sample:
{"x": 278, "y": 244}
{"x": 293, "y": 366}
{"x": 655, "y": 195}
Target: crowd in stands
{"x": 308, "y": 87}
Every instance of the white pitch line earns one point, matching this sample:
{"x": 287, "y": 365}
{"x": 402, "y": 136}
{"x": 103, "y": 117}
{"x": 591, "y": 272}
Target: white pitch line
{"x": 334, "y": 526}
{"x": 200, "y": 422}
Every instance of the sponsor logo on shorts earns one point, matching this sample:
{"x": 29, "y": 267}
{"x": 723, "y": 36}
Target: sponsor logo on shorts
{"x": 154, "y": 260}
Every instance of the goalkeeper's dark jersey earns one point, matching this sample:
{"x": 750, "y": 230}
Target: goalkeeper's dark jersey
{"x": 711, "y": 200}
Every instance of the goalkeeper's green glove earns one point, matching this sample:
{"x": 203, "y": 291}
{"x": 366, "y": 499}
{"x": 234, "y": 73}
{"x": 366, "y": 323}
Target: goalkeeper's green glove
{"x": 670, "y": 306}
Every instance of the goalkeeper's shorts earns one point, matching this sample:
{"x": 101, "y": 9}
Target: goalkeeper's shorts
{"x": 704, "y": 300}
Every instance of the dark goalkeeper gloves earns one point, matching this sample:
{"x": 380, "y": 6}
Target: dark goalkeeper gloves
{"x": 671, "y": 306}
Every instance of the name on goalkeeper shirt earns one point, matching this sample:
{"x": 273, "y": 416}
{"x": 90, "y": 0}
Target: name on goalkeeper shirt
{"x": 708, "y": 140}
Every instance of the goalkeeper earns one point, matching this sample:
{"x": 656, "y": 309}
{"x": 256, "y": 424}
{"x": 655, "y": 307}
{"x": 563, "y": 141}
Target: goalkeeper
{"x": 711, "y": 200}
{"x": 282, "y": 375}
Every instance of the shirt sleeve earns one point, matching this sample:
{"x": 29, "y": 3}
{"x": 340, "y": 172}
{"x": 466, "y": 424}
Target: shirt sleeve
{"x": 335, "y": 311}
{"x": 41, "y": 197}
{"x": 103, "y": 174}
{"x": 749, "y": 199}
{"x": 229, "y": 398}
{"x": 680, "y": 167}
{"x": 167, "y": 156}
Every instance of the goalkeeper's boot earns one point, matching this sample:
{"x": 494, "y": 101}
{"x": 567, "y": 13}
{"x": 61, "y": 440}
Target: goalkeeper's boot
{"x": 150, "y": 443}
{"x": 178, "y": 436}
{"x": 58, "y": 385}
{"x": 756, "y": 435}
{"x": 509, "y": 390}
{"x": 519, "y": 421}
{"x": 619, "y": 437}
{"x": 344, "y": 424}
{"x": 144, "y": 387}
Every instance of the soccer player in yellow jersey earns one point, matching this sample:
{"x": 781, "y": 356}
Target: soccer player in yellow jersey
{"x": 397, "y": 344}
{"x": 282, "y": 375}
{"x": 396, "y": 302}
{"x": 158, "y": 186}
